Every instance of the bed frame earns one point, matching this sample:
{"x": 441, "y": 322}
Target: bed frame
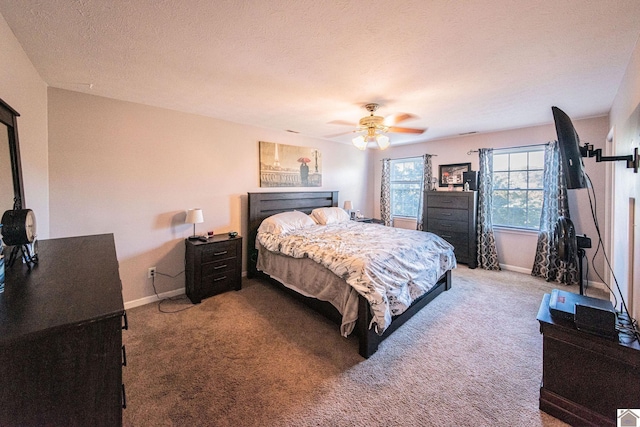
{"x": 263, "y": 205}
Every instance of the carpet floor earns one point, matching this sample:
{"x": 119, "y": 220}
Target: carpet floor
{"x": 257, "y": 357}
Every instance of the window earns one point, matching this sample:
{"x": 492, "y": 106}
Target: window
{"x": 517, "y": 187}
{"x": 406, "y": 186}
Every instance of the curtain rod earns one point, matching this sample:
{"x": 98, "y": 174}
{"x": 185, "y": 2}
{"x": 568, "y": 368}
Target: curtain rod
{"x": 410, "y": 157}
{"x": 510, "y": 148}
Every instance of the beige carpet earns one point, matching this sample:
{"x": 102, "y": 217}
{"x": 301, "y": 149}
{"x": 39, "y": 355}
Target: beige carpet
{"x": 256, "y": 357}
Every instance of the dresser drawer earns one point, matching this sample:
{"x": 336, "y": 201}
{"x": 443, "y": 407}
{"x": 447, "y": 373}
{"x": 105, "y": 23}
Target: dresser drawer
{"x": 457, "y": 239}
{"x": 448, "y": 214}
{"x": 448, "y": 226}
{"x": 447, "y": 201}
{"x": 219, "y": 251}
{"x": 218, "y": 267}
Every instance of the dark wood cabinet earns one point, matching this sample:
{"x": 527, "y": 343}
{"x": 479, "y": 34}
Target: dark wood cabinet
{"x": 585, "y": 378}
{"x": 213, "y": 267}
{"x": 61, "y": 351}
{"x": 452, "y": 216}
{"x": 369, "y": 220}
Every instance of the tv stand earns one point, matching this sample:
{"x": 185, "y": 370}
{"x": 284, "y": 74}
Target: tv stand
{"x": 585, "y": 378}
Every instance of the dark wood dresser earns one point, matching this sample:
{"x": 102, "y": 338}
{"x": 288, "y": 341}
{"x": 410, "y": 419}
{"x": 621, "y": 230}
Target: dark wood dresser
{"x": 213, "y": 267}
{"x": 585, "y": 378}
{"x": 452, "y": 216}
{"x": 61, "y": 351}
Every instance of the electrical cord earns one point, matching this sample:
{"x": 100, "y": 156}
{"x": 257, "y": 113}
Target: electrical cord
{"x": 627, "y": 324}
{"x": 163, "y": 300}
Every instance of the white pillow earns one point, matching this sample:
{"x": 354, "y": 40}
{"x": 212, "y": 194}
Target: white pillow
{"x": 324, "y": 216}
{"x": 285, "y": 222}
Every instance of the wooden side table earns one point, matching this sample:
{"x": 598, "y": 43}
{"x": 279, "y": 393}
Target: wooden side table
{"x": 369, "y": 220}
{"x": 212, "y": 267}
{"x": 585, "y": 378}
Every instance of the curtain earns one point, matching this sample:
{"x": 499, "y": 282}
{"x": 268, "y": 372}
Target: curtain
{"x": 385, "y": 193}
{"x": 487, "y": 255}
{"x": 554, "y": 205}
{"x": 427, "y": 173}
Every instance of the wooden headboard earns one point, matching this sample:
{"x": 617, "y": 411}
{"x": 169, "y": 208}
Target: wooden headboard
{"x": 263, "y": 205}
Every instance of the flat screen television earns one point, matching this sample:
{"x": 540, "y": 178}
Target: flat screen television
{"x": 570, "y": 155}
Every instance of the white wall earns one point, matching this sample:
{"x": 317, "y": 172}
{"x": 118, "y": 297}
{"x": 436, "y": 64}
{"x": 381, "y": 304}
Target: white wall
{"x": 625, "y": 226}
{"x": 22, "y": 88}
{"x": 132, "y": 170}
{"x": 516, "y": 249}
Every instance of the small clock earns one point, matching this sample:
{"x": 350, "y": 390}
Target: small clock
{"x": 18, "y": 227}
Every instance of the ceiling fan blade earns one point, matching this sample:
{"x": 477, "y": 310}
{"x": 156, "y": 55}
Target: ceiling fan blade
{"x": 396, "y": 118}
{"x": 340, "y": 134}
{"x": 342, "y": 122}
{"x": 405, "y": 130}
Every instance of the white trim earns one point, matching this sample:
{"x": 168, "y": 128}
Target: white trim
{"x": 598, "y": 285}
{"x": 153, "y": 298}
{"x": 515, "y": 268}
{"x": 515, "y": 230}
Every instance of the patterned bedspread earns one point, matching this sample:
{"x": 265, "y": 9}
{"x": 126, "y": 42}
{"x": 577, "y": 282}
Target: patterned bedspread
{"x": 390, "y": 267}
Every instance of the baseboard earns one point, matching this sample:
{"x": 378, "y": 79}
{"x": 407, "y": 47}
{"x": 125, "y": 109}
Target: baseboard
{"x": 153, "y": 298}
{"x": 599, "y": 285}
{"x": 148, "y": 300}
{"x": 515, "y": 268}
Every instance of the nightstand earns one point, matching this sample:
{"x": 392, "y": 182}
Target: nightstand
{"x": 369, "y": 220}
{"x": 212, "y": 267}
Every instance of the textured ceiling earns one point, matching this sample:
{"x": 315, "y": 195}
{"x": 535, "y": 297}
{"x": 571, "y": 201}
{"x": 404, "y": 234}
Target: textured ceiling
{"x": 460, "y": 66}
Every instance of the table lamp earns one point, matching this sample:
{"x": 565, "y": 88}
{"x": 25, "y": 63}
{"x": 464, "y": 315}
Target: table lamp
{"x": 194, "y": 216}
{"x": 348, "y": 207}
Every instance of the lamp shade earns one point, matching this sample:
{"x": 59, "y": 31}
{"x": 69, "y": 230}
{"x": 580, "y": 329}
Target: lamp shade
{"x": 194, "y": 216}
{"x": 347, "y": 205}
{"x": 359, "y": 142}
{"x": 383, "y": 141}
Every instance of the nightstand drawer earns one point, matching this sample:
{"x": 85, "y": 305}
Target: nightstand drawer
{"x": 217, "y": 284}
{"x": 218, "y": 267}
{"x": 448, "y": 214}
{"x": 219, "y": 251}
{"x": 447, "y": 201}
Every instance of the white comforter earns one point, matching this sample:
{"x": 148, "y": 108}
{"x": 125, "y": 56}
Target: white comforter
{"x": 390, "y": 267}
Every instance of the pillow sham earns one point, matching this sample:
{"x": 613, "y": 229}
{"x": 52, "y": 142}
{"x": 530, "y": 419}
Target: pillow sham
{"x": 285, "y": 222}
{"x": 324, "y": 216}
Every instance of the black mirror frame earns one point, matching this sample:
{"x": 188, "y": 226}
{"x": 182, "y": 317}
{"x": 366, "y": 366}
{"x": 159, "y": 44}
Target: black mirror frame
{"x": 9, "y": 116}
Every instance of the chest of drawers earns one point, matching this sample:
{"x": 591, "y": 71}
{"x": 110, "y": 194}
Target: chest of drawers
{"x": 212, "y": 267}
{"x": 61, "y": 353}
{"x": 452, "y": 216}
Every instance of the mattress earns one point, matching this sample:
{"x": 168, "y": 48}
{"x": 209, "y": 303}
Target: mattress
{"x": 390, "y": 267}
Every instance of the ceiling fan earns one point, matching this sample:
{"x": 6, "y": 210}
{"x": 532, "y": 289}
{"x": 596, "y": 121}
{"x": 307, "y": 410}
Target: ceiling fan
{"x": 374, "y": 127}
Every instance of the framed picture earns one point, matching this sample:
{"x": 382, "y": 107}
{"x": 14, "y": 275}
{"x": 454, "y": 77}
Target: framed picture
{"x": 284, "y": 165}
{"x": 452, "y": 174}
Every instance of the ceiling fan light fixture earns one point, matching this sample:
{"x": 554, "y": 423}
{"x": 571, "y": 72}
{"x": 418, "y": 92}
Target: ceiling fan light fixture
{"x": 383, "y": 141}
{"x": 359, "y": 142}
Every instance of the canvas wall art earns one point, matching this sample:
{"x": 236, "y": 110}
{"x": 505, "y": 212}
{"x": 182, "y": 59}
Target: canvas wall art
{"x": 452, "y": 174}
{"x": 289, "y": 166}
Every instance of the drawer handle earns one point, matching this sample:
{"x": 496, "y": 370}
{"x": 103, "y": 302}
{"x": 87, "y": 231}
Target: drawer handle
{"x": 447, "y": 225}
{"x": 124, "y": 356}
{"x": 447, "y": 201}
{"x": 219, "y": 278}
{"x": 446, "y": 214}
{"x": 124, "y": 398}
{"x": 446, "y": 236}
{"x": 220, "y": 266}
{"x": 126, "y": 322}
{"x": 220, "y": 253}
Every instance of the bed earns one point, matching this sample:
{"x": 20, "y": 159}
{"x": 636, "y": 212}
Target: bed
{"x": 264, "y": 205}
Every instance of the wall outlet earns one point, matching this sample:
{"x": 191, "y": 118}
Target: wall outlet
{"x": 151, "y": 273}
